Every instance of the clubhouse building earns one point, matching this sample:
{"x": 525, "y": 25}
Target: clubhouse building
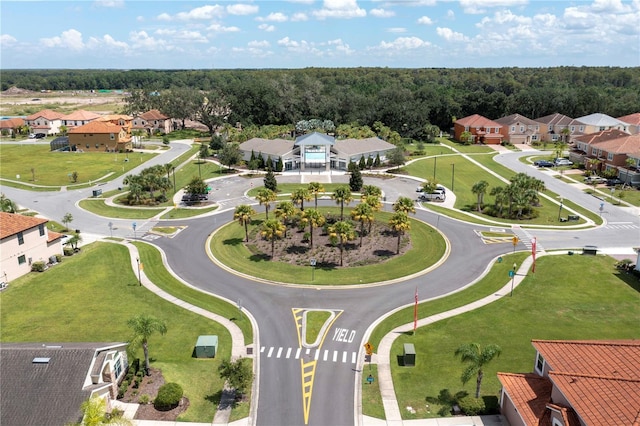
{"x": 316, "y": 151}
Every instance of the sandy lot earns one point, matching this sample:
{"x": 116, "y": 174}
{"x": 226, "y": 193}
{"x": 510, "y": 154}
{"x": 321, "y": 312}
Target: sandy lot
{"x": 12, "y": 97}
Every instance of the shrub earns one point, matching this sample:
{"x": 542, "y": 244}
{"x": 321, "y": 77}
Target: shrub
{"x": 471, "y": 406}
{"x": 67, "y": 251}
{"x": 122, "y": 389}
{"x": 137, "y": 381}
{"x": 144, "y": 399}
{"x": 38, "y": 266}
{"x": 58, "y": 258}
{"x": 169, "y": 395}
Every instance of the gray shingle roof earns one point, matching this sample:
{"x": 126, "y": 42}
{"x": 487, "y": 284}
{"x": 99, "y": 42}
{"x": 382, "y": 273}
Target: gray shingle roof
{"x": 46, "y": 393}
{"x": 353, "y": 147}
{"x": 599, "y": 119}
{"x": 278, "y": 147}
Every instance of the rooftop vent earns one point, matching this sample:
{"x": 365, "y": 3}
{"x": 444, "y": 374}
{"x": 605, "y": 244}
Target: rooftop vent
{"x": 41, "y": 360}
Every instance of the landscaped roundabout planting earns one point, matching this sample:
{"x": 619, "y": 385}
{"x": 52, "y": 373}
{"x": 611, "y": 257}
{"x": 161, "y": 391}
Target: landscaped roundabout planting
{"x": 421, "y": 248}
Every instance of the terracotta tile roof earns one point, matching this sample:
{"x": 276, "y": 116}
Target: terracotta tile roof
{"x": 96, "y": 127}
{"x": 154, "y": 114}
{"x": 81, "y": 115}
{"x": 11, "y": 223}
{"x": 476, "y": 120}
{"x": 114, "y": 117}
{"x": 633, "y": 119}
{"x": 601, "y": 136}
{"x": 530, "y": 393}
{"x": 624, "y": 145}
{"x": 47, "y": 114}
{"x": 11, "y": 123}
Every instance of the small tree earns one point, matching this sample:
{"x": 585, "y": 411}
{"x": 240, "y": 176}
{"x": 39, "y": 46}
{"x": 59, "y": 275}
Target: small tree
{"x": 266, "y": 196}
{"x": 404, "y": 205}
{"x": 363, "y": 213}
{"x": 315, "y": 188}
{"x": 396, "y": 157}
{"x": 7, "y": 205}
{"x": 315, "y": 219}
{"x": 66, "y": 220}
{"x": 355, "y": 180}
{"x": 230, "y": 155}
{"x": 272, "y": 229}
{"x": 362, "y": 164}
{"x": 399, "y": 224}
{"x": 169, "y": 395}
{"x": 376, "y": 162}
{"x": 238, "y": 374}
{"x": 342, "y": 195}
{"x": 270, "y": 181}
{"x": 299, "y": 196}
{"x": 243, "y": 215}
{"x": 476, "y": 357}
{"x": 339, "y": 233}
{"x": 143, "y": 327}
{"x": 480, "y": 188}
{"x": 74, "y": 176}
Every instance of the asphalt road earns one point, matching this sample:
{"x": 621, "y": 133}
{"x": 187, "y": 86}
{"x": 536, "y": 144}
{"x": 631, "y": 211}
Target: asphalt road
{"x": 315, "y": 385}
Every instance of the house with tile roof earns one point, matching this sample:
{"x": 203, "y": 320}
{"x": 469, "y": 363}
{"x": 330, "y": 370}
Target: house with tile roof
{"x": 24, "y": 240}
{"x": 100, "y": 136}
{"x": 482, "y": 130}
{"x": 11, "y": 126}
{"x": 46, "y": 383}
{"x": 558, "y": 127}
{"x": 599, "y": 122}
{"x": 45, "y": 121}
{"x": 576, "y": 383}
{"x": 79, "y": 118}
{"x": 124, "y": 121}
{"x": 316, "y": 151}
{"x": 152, "y": 122}
{"x": 633, "y": 120}
{"x": 519, "y": 129}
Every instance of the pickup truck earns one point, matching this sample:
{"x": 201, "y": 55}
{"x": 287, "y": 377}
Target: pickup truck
{"x": 437, "y": 195}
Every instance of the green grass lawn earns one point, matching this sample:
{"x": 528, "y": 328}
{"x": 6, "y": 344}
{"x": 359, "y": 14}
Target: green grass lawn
{"x": 99, "y": 207}
{"x": 227, "y": 245}
{"x": 604, "y": 306}
{"x": 90, "y": 297}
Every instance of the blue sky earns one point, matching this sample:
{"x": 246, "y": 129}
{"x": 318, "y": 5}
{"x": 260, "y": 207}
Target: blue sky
{"x": 192, "y": 34}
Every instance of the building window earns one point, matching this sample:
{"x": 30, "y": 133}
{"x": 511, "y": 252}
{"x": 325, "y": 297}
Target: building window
{"x": 97, "y": 145}
{"x": 610, "y": 156}
{"x": 22, "y": 259}
{"x": 573, "y": 129}
{"x": 117, "y": 367}
{"x": 20, "y": 238}
{"x": 602, "y": 128}
{"x": 539, "y": 363}
{"x": 534, "y": 137}
{"x": 112, "y": 136}
{"x": 522, "y": 128}
{"x": 551, "y": 127}
{"x": 582, "y": 128}
{"x": 557, "y": 422}
{"x": 41, "y": 229}
{"x": 513, "y": 128}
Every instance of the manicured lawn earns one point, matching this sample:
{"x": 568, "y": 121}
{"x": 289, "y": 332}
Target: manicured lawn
{"x": 90, "y": 297}
{"x": 100, "y": 208}
{"x": 427, "y": 247}
{"x": 54, "y": 168}
{"x": 604, "y": 306}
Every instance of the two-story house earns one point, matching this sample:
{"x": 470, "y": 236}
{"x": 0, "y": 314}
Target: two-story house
{"x": 79, "y": 118}
{"x": 101, "y": 136}
{"x": 598, "y": 122}
{"x": 24, "y": 240}
{"x": 558, "y": 127}
{"x": 152, "y": 122}
{"x": 481, "y": 130}
{"x": 633, "y": 121}
{"x": 519, "y": 129}
{"x": 45, "y": 121}
{"x": 11, "y": 126}
{"x": 576, "y": 383}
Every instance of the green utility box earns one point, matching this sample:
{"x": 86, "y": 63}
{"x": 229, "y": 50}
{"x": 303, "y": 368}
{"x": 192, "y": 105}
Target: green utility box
{"x": 206, "y": 346}
{"x": 409, "y": 355}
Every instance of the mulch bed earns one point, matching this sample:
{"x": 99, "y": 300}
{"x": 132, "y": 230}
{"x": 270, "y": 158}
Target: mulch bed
{"x": 149, "y": 386}
{"x": 377, "y": 247}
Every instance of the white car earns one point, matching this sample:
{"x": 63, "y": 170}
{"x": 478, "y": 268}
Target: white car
{"x": 32, "y": 135}
{"x": 563, "y": 162}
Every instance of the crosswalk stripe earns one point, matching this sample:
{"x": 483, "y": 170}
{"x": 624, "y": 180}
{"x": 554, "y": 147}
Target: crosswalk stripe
{"x": 353, "y": 357}
{"x": 344, "y": 356}
{"x": 288, "y": 353}
{"x": 270, "y": 352}
{"x": 279, "y": 353}
{"x": 326, "y": 353}
{"x": 319, "y": 354}
{"x": 335, "y": 356}
{"x": 298, "y": 353}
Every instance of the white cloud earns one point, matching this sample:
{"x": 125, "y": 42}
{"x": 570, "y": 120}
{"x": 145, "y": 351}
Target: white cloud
{"x": 183, "y": 35}
{"x": 480, "y": 6}
{"x": 199, "y": 13}
{"x": 259, "y": 43}
{"x": 425, "y": 20}
{"x": 7, "y": 40}
{"x": 404, "y": 43}
{"x": 266, "y": 27}
{"x": 382, "y": 13}
{"x": 218, "y": 28}
{"x": 70, "y": 39}
{"x": 107, "y": 42}
{"x": 451, "y": 14}
{"x": 273, "y": 17}
{"x": 504, "y": 17}
{"x": 396, "y": 30}
{"x": 299, "y": 17}
{"x": 109, "y": 3}
{"x": 450, "y": 35}
{"x": 340, "y": 9}
{"x": 242, "y": 9}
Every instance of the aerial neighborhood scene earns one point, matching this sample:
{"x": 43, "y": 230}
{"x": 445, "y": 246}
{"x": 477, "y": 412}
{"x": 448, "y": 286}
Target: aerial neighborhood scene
{"x": 323, "y": 212}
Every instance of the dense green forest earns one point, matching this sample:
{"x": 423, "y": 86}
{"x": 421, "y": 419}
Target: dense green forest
{"x": 404, "y": 99}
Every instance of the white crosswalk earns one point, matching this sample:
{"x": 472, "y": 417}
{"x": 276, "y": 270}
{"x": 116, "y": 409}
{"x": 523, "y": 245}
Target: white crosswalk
{"x": 326, "y": 355}
{"x": 621, "y": 225}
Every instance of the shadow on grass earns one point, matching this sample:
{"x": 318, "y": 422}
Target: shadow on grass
{"x": 491, "y": 405}
{"x": 629, "y": 278}
{"x": 233, "y": 241}
{"x": 297, "y": 249}
{"x": 446, "y": 400}
{"x": 259, "y": 257}
{"x": 384, "y": 253}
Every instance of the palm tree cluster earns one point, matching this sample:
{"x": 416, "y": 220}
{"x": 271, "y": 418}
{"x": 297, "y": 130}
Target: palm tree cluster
{"x": 340, "y": 230}
{"x": 143, "y": 187}
{"x": 518, "y": 198}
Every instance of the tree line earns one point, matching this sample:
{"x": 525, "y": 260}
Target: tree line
{"x": 406, "y": 100}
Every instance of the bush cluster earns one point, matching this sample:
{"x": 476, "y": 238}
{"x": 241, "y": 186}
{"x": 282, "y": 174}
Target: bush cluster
{"x": 471, "y": 406}
{"x": 168, "y": 396}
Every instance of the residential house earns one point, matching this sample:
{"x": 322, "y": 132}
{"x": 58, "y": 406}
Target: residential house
{"x": 482, "y": 129}
{"x": 46, "y": 383}
{"x": 24, "y": 240}
{"x": 152, "y": 122}
{"x": 101, "y": 136}
{"x": 598, "y": 122}
{"x": 79, "y": 118}
{"x": 518, "y": 129}
{"x": 558, "y": 127}
{"x": 576, "y": 383}
{"x": 45, "y": 121}
{"x": 124, "y": 121}
{"x": 633, "y": 121}
{"x": 11, "y": 126}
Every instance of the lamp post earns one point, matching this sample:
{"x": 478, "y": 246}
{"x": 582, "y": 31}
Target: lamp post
{"x": 435, "y": 163}
{"x": 560, "y": 211}
{"x": 313, "y": 267}
{"x": 173, "y": 170}
{"x": 513, "y": 277}
{"x": 453, "y": 175}
{"x": 139, "y": 278}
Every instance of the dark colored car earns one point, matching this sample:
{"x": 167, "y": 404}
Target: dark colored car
{"x": 614, "y": 182}
{"x": 40, "y": 135}
{"x": 543, "y": 163}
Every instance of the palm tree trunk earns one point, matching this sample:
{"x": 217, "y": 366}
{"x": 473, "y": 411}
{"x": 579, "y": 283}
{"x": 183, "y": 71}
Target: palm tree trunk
{"x": 341, "y": 248}
{"x": 246, "y": 230}
{"x": 361, "y": 232}
{"x": 478, "y": 382}
{"x": 273, "y": 247}
{"x": 145, "y": 349}
{"x": 311, "y": 234}
{"x": 398, "y": 248}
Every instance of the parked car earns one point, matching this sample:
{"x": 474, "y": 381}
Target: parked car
{"x": 437, "y": 195}
{"x": 32, "y": 135}
{"x": 594, "y": 180}
{"x": 615, "y": 182}
{"x": 40, "y": 135}
{"x": 543, "y": 163}
{"x": 563, "y": 162}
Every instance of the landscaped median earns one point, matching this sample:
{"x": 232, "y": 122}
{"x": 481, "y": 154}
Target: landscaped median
{"x": 557, "y": 302}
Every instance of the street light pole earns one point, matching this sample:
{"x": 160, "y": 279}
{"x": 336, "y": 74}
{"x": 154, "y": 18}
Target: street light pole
{"x": 139, "y": 278}
{"x": 453, "y": 174}
{"x": 560, "y": 211}
{"x": 513, "y": 277}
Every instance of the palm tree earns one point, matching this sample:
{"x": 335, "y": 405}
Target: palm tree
{"x": 67, "y": 219}
{"x": 266, "y": 197}
{"x": 243, "y": 214}
{"x": 480, "y": 188}
{"x": 7, "y": 205}
{"x": 341, "y": 231}
{"x": 272, "y": 230}
{"x": 399, "y": 223}
{"x": 299, "y": 196}
{"x": 285, "y": 211}
{"x": 500, "y": 197}
{"x": 315, "y": 188}
{"x": 315, "y": 219}
{"x": 404, "y": 205}
{"x": 477, "y": 358}
{"x": 368, "y": 190}
{"x": 362, "y": 213}
{"x": 343, "y": 196}
{"x": 144, "y": 326}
